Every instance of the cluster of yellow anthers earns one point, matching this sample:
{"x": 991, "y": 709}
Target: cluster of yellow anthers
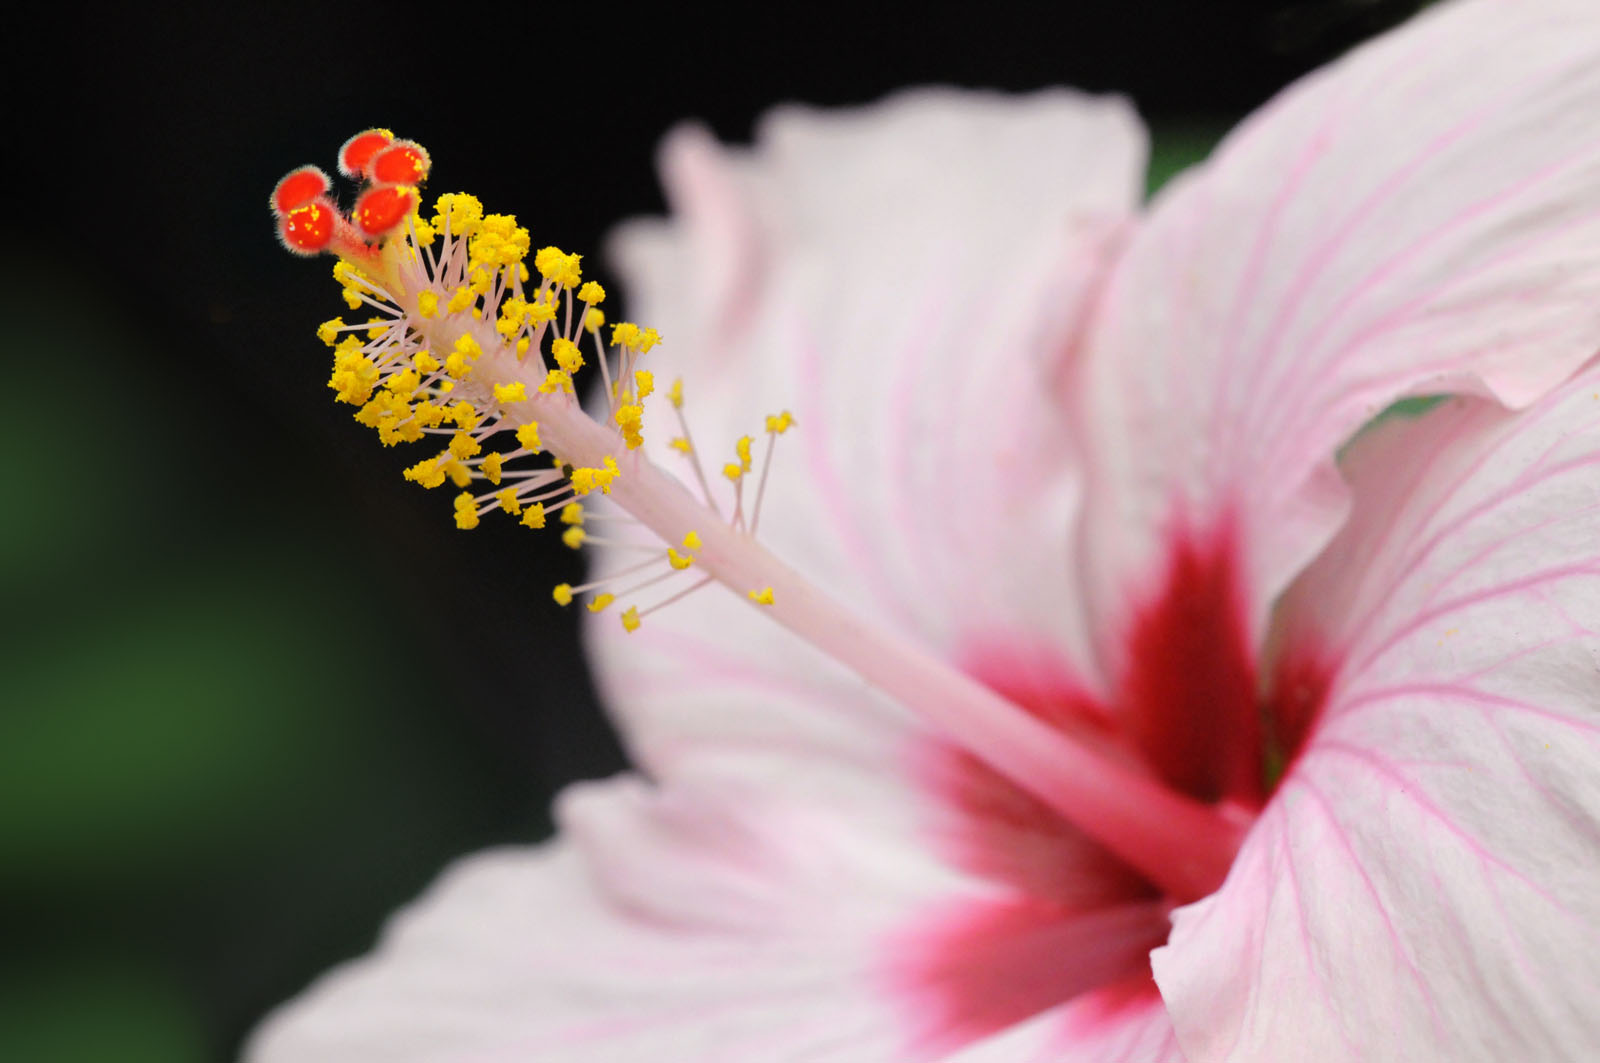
{"x": 461, "y": 343}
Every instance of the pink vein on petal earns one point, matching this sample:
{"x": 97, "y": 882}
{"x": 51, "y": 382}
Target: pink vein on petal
{"x": 708, "y": 661}
{"x": 910, "y": 358}
{"x": 1414, "y": 559}
{"x": 1317, "y": 383}
{"x": 1354, "y": 859}
{"x": 1377, "y": 696}
{"x": 1396, "y": 181}
{"x": 1416, "y": 247}
{"x": 1244, "y": 297}
{"x": 1465, "y": 601}
{"x": 1293, "y": 881}
{"x": 1414, "y": 792}
{"x": 830, "y": 490}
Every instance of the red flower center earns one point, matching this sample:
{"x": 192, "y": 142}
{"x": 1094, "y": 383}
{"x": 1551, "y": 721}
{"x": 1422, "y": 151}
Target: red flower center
{"x": 1190, "y": 706}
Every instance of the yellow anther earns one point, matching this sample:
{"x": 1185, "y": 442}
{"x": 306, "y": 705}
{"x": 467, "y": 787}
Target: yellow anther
{"x": 459, "y": 211}
{"x": 648, "y": 338}
{"x": 554, "y": 381}
{"x": 541, "y": 310}
{"x": 425, "y": 362}
{"x": 675, "y": 395}
{"x": 533, "y": 516}
{"x": 376, "y": 326}
{"x": 779, "y": 423}
{"x": 463, "y": 415}
{"x": 459, "y": 474}
{"x": 625, "y": 334}
{"x": 677, "y": 560}
{"x": 390, "y": 433}
{"x": 459, "y": 301}
{"x": 528, "y": 437}
{"x": 507, "y": 497}
{"x": 463, "y": 446}
{"x": 573, "y": 537}
{"x": 458, "y": 363}
{"x": 566, "y": 354}
{"x": 350, "y": 276}
{"x": 691, "y": 541}
{"x": 681, "y": 445}
{"x": 585, "y": 480}
{"x": 328, "y": 331}
{"x": 592, "y": 294}
{"x": 466, "y": 511}
{"x": 644, "y": 382}
{"x": 429, "y": 473}
{"x": 742, "y": 448}
{"x": 762, "y": 596}
{"x": 562, "y": 593}
{"x": 600, "y": 602}
{"x": 492, "y": 463}
{"x": 572, "y": 513}
{"x": 353, "y": 377}
{"x": 522, "y": 348}
{"x": 630, "y": 619}
{"x": 500, "y": 241}
{"x": 513, "y": 312}
{"x": 733, "y": 470}
{"x": 559, "y": 267}
{"x": 385, "y": 408}
{"x": 593, "y": 319}
{"x": 428, "y": 304}
{"x": 630, "y": 419}
{"x": 516, "y": 391}
{"x": 403, "y": 384}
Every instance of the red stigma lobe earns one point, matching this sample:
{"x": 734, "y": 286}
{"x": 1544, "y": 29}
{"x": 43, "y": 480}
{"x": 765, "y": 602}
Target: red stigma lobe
{"x": 381, "y": 209}
{"x": 358, "y": 151}
{"x": 308, "y": 229}
{"x": 402, "y": 163}
{"x": 298, "y": 188}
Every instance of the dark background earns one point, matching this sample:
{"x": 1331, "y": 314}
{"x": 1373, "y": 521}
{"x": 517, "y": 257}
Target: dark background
{"x": 257, "y": 690}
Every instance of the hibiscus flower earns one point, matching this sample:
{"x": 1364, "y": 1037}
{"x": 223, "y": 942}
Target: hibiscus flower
{"x": 1291, "y": 729}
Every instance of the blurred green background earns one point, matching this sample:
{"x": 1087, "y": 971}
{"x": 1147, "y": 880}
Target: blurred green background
{"x": 256, "y": 690}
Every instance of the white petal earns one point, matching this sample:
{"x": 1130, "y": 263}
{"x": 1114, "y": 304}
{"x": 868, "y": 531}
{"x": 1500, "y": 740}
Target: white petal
{"x": 1426, "y": 883}
{"x": 905, "y": 278}
{"x": 1421, "y": 216}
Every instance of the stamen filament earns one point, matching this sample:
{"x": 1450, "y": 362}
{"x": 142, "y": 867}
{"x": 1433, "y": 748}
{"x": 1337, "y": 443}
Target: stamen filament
{"x": 680, "y": 596}
{"x": 605, "y": 372}
{"x": 761, "y": 484}
{"x": 694, "y": 463}
{"x": 614, "y": 577}
{"x": 618, "y": 544}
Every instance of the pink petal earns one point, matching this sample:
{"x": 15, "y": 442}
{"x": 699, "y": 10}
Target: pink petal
{"x": 1421, "y": 216}
{"x": 705, "y": 924}
{"x": 1122, "y": 1024}
{"x": 1426, "y": 882}
{"x": 905, "y": 278}
{"x": 708, "y": 922}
